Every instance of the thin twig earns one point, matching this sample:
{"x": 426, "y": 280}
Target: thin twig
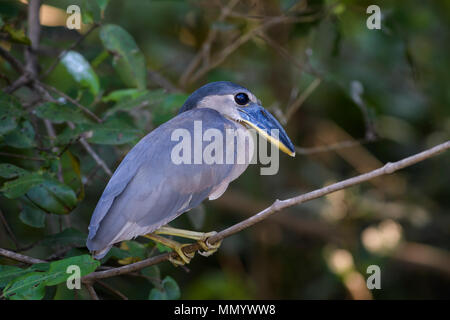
{"x": 206, "y": 47}
{"x": 70, "y": 99}
{"x": 332, "y": 147}
{"x": 64, "y": 52}
{"x": 162, "y": 81}
{"x": 356, "y": 92}
{"x": 115, "y": 291}
{"x": 297, "y": 103}
{"x": 281, "y": 51}
{"x": 92, "y": 293}
{"x": 278, "y": 205}
{"x": 423, "y": 255}
{"x": 248, "y": 36}
{"x": 16, "y": 64}
{"x": 92, "y": 152}
{"x": 20, "y": 82}
{"x": 20, "y": 156}
{"x": 30, "y": 70}
{"x": 19, "y": 257}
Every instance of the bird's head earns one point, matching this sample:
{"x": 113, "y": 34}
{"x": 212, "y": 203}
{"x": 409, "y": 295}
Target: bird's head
{"x": 239, "y": 104}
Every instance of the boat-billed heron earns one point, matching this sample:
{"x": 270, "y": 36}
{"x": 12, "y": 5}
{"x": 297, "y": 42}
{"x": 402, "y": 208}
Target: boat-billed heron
{"x": 148, "y": 189}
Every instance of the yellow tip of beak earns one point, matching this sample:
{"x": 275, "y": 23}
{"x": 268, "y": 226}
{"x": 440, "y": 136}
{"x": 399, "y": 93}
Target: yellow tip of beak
{"x": 271, "y": 139}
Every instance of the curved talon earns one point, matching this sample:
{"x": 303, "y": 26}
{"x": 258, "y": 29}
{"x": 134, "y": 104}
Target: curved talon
{"x": 208, "y": 248}
{"x": 182, "y": 258}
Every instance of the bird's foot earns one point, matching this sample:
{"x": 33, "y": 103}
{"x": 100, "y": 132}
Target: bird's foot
{"x": 200, "y": 237}
{"x": 182, "y": 257}
{"x": 208, "y": 248}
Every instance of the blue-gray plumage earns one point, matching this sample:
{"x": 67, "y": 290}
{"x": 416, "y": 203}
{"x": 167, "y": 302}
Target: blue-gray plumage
{"x": 148, "y": 190}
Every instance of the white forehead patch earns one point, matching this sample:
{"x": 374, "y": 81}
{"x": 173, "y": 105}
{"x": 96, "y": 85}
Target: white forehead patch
{"x": 224, "y": 104}
{"x": 216, "y": 101}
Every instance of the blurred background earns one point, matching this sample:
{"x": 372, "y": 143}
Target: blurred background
{"x": 350, "y": 98}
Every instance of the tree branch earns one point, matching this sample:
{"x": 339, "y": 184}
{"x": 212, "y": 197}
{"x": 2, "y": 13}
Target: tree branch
{"x": 331, "y": 147}
{"x": 297, "y": 103}
{"x": 277, "y": 206}
{"x": 34, "y": 33}
{"x": 92, "y": 152}
{"x": 15, "y": 64}
{"x": 19, "y": 257}
{"x": 92, "y": 293}
{"x": 71, "y": 100}
{"x": 206, "y": 47}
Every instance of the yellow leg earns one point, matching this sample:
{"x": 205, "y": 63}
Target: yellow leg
{"x": 201, "y": 237}
{"x": 183, "y": 258}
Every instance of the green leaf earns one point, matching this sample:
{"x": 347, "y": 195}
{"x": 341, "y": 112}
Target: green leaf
{"x": 152, "y": 272}
{"x": 121, "y": 94}
{"x": 10, "y": 112}
{"x": 135, "y": 249}
{"x": 43, "y": 191}
{"x": 53, "y": 196}
{"x": 146, "y": 98}
{"x": 59, "y": 113}
{"x": 70, "y": 166}
{"x": 90, "y": 12}
{"x": 113, "y": 131}
{"x": 128, "y": 60}
{"x": 19, "y": 285}
{"x": 156, "y": 294}
{"x": 102, "y": 4}
{"x": 9, "y": 171}
{"x": 22, "y": 137}
{"x": 68, "y": 237}
{"x": 171, "y": 287}
{"x": 169, "y": 290}
{"x": 116, "y": 253}
{"x": 7, "y": 273}
{"x": 32, "y": 216}
{"x": 58, "y": 269}
{"x": 162, "y": 248}
{"x": 18, "y": 187}
{"x": 30, "y": 286}
{"x": 16, "y": 35}
{"x": 81, "y": 71}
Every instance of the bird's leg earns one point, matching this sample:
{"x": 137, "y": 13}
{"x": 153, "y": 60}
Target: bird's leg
{"x": 201, "y": 237}
{"x": 183, "y": 258}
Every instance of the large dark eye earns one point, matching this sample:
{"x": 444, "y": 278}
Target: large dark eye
{"x": 241, "y": 98}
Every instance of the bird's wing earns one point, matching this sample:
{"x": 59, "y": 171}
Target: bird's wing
{"x": 148, "y": 190}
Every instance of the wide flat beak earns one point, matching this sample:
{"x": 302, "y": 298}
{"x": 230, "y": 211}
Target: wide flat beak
{"x": 260, "y": 119}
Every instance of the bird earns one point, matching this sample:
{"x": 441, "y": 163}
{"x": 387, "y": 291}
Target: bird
{"x": 148, "y": 190}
